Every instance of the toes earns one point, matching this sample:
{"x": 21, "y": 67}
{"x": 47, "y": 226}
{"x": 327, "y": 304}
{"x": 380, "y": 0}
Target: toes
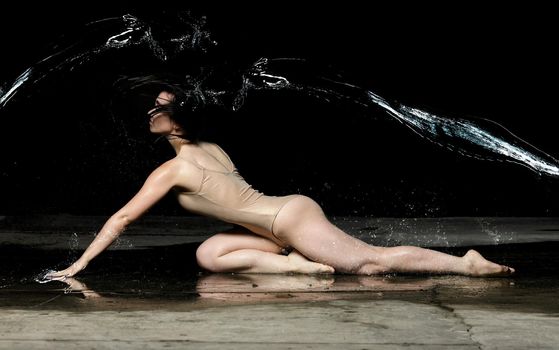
{"x": 321, "y": 268}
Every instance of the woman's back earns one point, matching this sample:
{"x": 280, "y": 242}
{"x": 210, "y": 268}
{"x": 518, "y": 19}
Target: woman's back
{"x": 221, "y": 192}
{"x": 209, "y": 156}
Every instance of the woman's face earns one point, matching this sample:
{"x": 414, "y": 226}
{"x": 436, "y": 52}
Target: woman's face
{"x": 161, "y": 122}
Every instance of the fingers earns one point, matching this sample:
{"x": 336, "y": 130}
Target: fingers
{"x": 55, "y": 274}
{"x": 63, "y": 274}
{"x": 50, "y": 276}
{"x": 59, "y": 275}
{"x": 56, "y": 277}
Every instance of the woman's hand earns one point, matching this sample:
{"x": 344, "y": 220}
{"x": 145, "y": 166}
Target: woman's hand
{"x": 160, "y": 181}
{"x": 66, "y": 273}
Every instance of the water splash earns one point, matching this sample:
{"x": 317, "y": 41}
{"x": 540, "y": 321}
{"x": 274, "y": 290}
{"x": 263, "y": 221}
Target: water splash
{"x": 6, "y": 96}
{"x": 115, "y": 33}
{"x": 74, "y": 242}
{"x": 73, "y": 246}
{"x": 479, "y": 138}
{"x": 42, "y": 277}
{"x": 496, "y": 234}
{"x": 464, "y": 136}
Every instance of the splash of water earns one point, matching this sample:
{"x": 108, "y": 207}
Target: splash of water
{"x": 492, "y": 230}
{"x": 479, "y": 138}
{"x": 73, "y": 245}
{"x": 113, "y": 34}
{"x": 42, "y": 277}
{"x": 464, "y": 136}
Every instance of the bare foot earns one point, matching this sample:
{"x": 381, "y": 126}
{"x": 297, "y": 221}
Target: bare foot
{"x": 481, "y": 267}
{"x": 303, "y": 265}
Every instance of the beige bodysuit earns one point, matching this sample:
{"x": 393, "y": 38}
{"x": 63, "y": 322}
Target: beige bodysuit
{"x": 225, "y": 195}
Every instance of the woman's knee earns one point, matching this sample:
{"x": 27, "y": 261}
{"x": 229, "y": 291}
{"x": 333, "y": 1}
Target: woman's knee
{"x": 384, "y": 260}
{"x": 376, "y": 262}
{"x": 209, "y": 251}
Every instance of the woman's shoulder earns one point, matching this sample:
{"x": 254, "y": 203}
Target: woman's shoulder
{"x": 178, "y": 165}
{"x": 185, "y": 175}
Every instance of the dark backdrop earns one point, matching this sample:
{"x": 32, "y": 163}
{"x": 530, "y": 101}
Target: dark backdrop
{"x": 63, "y": 153}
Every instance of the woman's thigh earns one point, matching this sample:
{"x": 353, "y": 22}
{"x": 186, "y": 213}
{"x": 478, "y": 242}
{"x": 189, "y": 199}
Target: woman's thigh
{"x": 302, "y": 224}
{"x": 235, "y": 239}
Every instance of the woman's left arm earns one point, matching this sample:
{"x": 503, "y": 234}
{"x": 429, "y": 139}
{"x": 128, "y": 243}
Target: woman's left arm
{"x": 159, "y": 182}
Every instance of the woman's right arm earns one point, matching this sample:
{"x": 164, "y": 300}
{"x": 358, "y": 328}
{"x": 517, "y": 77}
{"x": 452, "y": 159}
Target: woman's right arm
{"x": 159, "y": 182}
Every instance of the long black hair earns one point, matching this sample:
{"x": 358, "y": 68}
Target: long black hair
{"x": 192, "y": 107}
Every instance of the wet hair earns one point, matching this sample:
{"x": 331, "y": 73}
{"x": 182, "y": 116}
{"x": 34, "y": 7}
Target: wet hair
{"x": 190, "y": 108}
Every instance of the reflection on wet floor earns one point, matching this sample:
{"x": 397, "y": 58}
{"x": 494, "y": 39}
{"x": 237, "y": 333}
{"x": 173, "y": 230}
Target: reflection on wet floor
{"x": 168, "y": 278}
{"x": 150, "y": 293}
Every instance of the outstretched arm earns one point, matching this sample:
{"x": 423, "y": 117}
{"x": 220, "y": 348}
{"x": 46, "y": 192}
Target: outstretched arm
{"x": 159, "y": 182}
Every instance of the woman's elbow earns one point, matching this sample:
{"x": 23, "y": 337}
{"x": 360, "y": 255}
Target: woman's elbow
{"x": 122, "y": 219}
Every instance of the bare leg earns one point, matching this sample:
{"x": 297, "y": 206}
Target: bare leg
{"x": 415, "y": 259}
{"x": 244, "y": 252}
{"x": 302, "y": 224}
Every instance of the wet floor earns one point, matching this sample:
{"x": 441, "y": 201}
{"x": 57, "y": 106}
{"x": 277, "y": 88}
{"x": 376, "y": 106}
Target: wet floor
{"x": 162, "y": 284}
{"x": 169, "y": 277}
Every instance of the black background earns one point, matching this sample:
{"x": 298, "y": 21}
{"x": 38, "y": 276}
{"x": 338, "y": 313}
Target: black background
{"x": 62, "y": 152}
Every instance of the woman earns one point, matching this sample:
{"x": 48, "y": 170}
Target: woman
{"x": 272, "y": 234}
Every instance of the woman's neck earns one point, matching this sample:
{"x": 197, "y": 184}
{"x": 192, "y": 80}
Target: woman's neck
{"x": 177, "y": 142}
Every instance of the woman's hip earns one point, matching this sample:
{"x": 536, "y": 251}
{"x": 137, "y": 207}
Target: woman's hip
{"x": 295, "y": 215}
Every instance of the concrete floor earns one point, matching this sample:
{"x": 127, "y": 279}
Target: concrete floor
{"x": 153, "y": 296}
